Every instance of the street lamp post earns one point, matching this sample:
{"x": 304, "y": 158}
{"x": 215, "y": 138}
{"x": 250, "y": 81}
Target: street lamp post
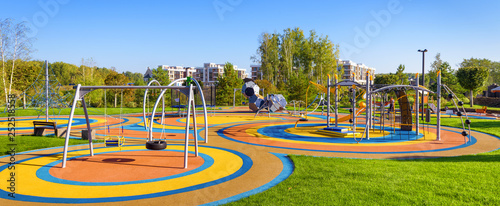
{"x": 423, "y": 79}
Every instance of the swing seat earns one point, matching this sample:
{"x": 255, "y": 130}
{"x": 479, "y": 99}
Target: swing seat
{"x": 156, "y": 145}
{"x": 114, "y": 141}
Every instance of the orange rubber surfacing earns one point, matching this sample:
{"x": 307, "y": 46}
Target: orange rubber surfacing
{"x": 126, "y": 166}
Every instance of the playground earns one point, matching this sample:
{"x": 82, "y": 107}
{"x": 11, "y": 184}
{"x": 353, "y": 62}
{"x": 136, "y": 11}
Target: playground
{"x": 215, "y": 157}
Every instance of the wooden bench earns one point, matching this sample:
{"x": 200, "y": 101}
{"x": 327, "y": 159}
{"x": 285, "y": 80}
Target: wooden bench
{"x": 39, "y": 128}
{"x": 482, "y": 111}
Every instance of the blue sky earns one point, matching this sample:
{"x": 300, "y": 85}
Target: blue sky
{"x": 132, "y": 35}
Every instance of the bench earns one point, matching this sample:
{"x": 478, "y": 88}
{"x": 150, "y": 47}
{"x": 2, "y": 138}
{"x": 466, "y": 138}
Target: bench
{"x": 482, "y": 111}
{"x": 450, "y": 112}
{"x": 39, "y": 128}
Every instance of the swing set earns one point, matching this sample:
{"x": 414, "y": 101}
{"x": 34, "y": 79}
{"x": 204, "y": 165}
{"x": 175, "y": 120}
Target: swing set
{"x": 188, "y": 90}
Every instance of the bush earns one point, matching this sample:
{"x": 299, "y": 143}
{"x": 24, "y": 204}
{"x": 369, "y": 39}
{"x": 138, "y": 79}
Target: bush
{"x": 131, "y": 104}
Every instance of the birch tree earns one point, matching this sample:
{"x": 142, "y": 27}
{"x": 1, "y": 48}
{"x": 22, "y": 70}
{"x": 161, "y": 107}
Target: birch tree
{"x": 14, "y": 45}
{"x": 4, "y": 44}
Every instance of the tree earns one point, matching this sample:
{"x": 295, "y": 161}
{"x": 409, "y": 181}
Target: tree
{"x": 226, "y": 84}
{"x": 118, "y": 80}
{"x": 472, "y": 78}
{"x": 267, "y": 86}
{"x": 4, "y": 44}
{"x": 297, "y": 87}
{"x": 448, "y": 78}
{"x": 292, "y": 53}
{"x": 15, "y": 45}
{"x": 386, "y": 79}
{"x": 161, "y": 75}
{"x": 401, "y": 76}
{"x": 493, "y": 68}
{"x": 437, "y": 62}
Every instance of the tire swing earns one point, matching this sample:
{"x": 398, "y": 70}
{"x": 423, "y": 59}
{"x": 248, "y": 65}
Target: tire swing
{"x": 157, "y": 144}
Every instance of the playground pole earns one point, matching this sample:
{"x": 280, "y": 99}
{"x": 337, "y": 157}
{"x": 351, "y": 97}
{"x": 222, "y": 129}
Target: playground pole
{"x": 46, "y": 91}
{"x": 417, "y": 107}
{"x": 367, "y": 110}
{"x": 336, "y": 102}
{"x": 234, "y": 98}
{"x": 328, "y": 102}
{"x": 353, "y": 105}
{"x": 438, "y": 106}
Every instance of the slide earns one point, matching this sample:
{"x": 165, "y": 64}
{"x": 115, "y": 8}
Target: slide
{"x": 347, "y": 117}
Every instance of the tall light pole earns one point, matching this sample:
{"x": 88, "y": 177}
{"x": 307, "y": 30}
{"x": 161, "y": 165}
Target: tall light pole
{"x": 423, "y": 79}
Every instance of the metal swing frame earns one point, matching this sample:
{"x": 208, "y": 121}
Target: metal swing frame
{"x": 81, "y": 91}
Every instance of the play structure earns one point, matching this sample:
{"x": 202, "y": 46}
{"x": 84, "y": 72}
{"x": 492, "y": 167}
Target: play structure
{"x": 243, "y": 97}
{"x": 177, "y": 100}
{"x": 406, "y": 122}
{"x": 81, "y": 91}
{"x": 257, "y": 103}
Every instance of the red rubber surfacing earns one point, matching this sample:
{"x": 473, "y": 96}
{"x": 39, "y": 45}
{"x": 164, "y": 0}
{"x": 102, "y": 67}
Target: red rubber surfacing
{"x": 126, "y": 166}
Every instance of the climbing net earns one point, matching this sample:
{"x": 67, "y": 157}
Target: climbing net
{"x": 43, "y": 92}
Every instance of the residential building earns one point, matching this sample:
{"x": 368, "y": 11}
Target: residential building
{"x": 177, "y": 72}
{"x": 352, "y": 69}
{"x": 256, "y": 73}
{"x": 148, "y": 75}
{"x": 209, "y": 73}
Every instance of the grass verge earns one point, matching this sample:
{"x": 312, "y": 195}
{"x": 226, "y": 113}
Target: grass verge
{"x": 472, "y": 179}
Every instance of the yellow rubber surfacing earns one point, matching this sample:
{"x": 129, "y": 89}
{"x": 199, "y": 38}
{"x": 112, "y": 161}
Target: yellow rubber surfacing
{"x": 32, "y": 185}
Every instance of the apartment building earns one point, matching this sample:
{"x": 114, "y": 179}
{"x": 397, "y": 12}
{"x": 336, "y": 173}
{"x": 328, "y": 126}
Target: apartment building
{"x": 256, "y": 73}
{"x": 351, "y": 69}
{"x": 177, "y": 72}
{"x": 209, "y": 73}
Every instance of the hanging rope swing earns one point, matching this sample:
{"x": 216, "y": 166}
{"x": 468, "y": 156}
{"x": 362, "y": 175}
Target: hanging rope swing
{"x": 113, "y": 141}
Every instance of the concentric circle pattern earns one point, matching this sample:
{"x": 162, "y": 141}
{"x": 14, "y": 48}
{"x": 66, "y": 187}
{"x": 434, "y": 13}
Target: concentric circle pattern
{"x": 244, "y": 155}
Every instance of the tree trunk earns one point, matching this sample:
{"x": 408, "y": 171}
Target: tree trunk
{"x": 3, "y": 77}
{"x": 471, "y": 99}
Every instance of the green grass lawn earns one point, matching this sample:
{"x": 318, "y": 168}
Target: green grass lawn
{"x": 26, "y": 143}
{"x": 471, "y": 179}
